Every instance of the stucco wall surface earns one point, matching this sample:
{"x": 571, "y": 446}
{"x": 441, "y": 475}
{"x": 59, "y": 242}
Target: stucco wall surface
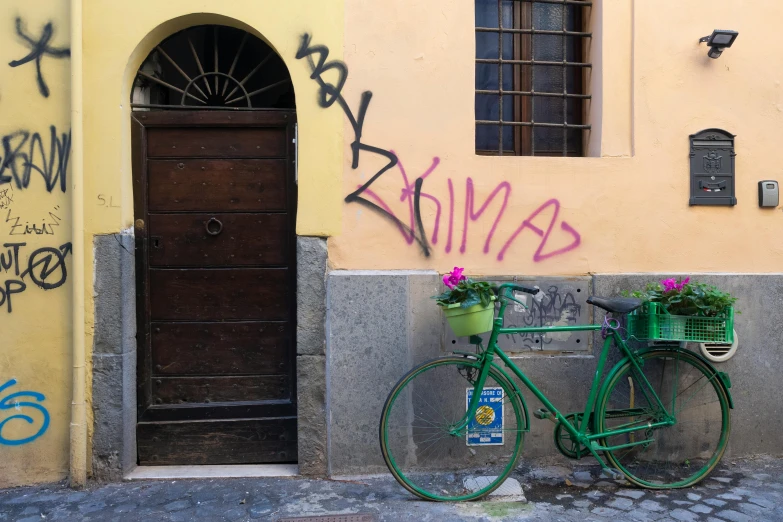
{"x": 35, "y": 234}
{"x": 623, "y": 210}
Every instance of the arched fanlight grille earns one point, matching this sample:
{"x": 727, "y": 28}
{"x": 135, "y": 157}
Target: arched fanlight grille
{"x": 213, "y": 67}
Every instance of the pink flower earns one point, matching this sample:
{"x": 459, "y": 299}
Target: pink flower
{"x": 669, "y": 284}
{"x": 453, "y": 278}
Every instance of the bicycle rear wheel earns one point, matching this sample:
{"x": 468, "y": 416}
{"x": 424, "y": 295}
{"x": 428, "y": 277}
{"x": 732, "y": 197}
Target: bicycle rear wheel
{"x": 416, "y": 435}
{"x": 674, "y": 456}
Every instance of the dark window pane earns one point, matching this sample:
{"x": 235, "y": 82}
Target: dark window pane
{"x": 548, "y": 48}
{"x": 548, "y": 110}
{"x": 487, "y": 137}
{"x": 487, "y": 107}
{"x": 487, "y": 45}
{"x": 486, "y": 76}
{"x": 486, "y": 13}
{"x": 508, "y": 140}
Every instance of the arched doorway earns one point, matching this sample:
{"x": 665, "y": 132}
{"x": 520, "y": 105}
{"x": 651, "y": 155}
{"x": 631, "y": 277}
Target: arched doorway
{"x": 213, "y": 132}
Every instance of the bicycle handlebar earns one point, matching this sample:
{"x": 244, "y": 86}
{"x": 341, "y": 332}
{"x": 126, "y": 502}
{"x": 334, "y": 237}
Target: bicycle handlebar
{"x": 514, "y": 286}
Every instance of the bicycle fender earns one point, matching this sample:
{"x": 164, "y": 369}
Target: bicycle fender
{"x": 518, "y": 391}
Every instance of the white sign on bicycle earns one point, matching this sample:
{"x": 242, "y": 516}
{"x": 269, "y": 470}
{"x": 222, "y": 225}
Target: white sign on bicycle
{"x": 486, "y": 426}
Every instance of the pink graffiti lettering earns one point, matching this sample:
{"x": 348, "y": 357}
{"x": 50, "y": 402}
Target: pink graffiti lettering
{"x": 538, "y": 256}
{"x": 471, "y": 214}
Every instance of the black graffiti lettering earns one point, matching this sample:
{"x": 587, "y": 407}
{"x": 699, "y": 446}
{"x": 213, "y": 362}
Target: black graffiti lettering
{"x": 331, "y": 93}
{"x": 45, "y": 267}
{"x": 46, "y": 261}
{"x": 24, "y": 153}
{"x": 12, "y": 259}
{"x": 9, "y": 290}
{"x": 39, "y": 49}
{"x": 554, "y": 308}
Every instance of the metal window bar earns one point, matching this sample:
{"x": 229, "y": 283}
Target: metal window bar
{"x": 506, "y": 30}
{"x": 565, "y": 34}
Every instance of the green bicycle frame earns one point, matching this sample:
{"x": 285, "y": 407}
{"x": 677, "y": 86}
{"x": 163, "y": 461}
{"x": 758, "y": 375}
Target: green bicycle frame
{"x": 579, "y": 433}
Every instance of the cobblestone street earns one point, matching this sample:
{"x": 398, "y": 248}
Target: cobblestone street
{"x": 739, "y": 491}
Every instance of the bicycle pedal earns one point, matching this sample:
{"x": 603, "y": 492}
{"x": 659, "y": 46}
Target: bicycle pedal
{"x": 542, "y": 414}
{"x": 611, "y": 473}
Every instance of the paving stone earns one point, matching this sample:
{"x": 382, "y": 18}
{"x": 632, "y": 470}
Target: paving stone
{"x": 583, "y": 476}
{"x": 682, "y": 502}
{"x": 751, "y": 509}
{"x": 620, "y": 503}
{"x": 715, "y": 502}
{"x": 89, "y": 507}
{"x": 581, "y": 503}
{"x": 606, "y": 512}
{"x": 685, "y": 516}
{"x": 700, "y": 508}
{"x": 734, "y": 516}
{"x": 635, "y": 494}
{"x": 640, "y": 515}
{"x": 762, "y": 502}
{"x": 730, "y": 496}
{"x": 595, "y": 494}
{"x": 725, "y": 480}
{"x": 177, "y": 505}
{"x": 693, "y": 496}
{"x": 36, "y": 518}
{"x": 651, "y": 505}
{"x": 234, "y": 514}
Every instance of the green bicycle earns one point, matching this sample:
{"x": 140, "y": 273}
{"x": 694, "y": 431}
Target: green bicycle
{"x": 452, "y": 428}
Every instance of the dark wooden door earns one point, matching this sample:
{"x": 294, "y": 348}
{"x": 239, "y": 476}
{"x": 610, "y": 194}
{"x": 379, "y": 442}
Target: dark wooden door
{"x": 215, "y": 206}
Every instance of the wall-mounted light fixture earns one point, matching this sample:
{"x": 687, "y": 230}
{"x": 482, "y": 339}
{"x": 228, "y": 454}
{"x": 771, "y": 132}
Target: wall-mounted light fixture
{"x": 719, "y": 40}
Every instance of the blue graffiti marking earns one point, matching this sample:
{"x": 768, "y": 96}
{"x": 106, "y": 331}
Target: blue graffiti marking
{"x": 11, "y": 402}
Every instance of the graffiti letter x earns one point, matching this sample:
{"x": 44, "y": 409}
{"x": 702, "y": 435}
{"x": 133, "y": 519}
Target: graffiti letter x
{"x": 37, "y": 51}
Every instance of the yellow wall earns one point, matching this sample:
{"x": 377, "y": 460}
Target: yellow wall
{"x": 35, "y": 327}
{"x": 629, "y": 206}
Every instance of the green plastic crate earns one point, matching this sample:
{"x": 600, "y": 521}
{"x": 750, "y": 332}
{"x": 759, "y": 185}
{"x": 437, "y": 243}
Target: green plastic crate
{"x": 651, "y": 322}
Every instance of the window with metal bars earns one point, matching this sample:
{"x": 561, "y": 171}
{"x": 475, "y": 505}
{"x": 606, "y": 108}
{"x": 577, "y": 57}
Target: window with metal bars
{"x": 531, "y": 73}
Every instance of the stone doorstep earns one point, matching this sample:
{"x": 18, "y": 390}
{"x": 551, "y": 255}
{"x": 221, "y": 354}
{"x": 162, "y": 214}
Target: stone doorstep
{"x": 204, "y": 472}
{"x": 509, "y": 491}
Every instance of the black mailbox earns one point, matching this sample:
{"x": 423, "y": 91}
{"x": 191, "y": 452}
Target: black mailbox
{"x": 712, "y": 168}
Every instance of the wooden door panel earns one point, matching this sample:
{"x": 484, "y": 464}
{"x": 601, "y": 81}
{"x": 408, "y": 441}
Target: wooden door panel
{"x": 183, "y": 390}
{"x": 216, "y": 311}
{"x": 210, "y": 184}
{"x": 174, "y": 142}
{"x": 257, "y": 348}
{"x": 246, "y": 441}
{"x": 241, "y": 239}
{"x": 239, "y": 294}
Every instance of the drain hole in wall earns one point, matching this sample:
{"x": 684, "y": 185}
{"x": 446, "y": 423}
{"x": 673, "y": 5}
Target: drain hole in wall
{"x": 578, "y": 341}
{"x": 453, "y": 341}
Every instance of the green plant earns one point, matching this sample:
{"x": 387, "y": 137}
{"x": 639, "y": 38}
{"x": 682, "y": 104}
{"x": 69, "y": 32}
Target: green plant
{"x": 686, "y": 297}
{"x": 464, "y": 291}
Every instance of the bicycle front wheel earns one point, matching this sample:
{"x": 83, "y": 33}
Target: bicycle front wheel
{"x": 420, "y": 445}
{"x": 691, "y": 395}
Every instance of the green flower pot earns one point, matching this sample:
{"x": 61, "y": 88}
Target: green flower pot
{"x": 472, "y": 320}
